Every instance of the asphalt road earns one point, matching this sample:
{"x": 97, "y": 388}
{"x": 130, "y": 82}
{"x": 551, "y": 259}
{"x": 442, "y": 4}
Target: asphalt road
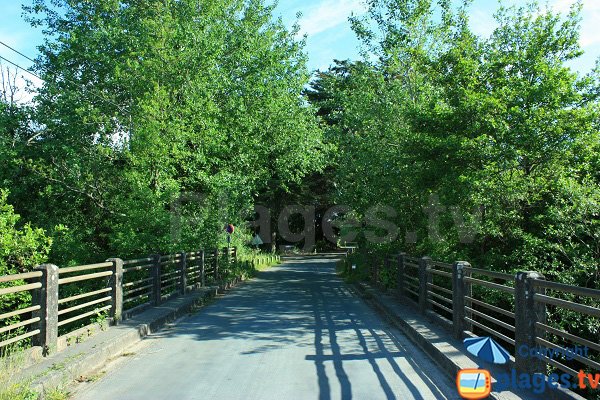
{"x": 295, "y": 332}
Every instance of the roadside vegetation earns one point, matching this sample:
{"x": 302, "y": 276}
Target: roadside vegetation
{"x": 13, "y": 387}
{"x": 482, "y": 149}
{"x": 160, "y": 122}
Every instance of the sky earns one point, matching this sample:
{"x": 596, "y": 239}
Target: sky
{"x": 325, "y": 22}
{"x": 330, "y": 36}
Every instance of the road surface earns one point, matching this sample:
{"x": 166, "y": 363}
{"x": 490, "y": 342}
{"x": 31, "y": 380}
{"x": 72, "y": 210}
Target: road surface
{"x": 295, "y": 332}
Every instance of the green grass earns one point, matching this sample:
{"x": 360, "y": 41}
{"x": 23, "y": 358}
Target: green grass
{"x": 257, "y": 262}
{"x": 57, "y": 394}
{"x": 17, "y": 391}
{"x": 11, "y": 388}
{"x": 266, "y": 265}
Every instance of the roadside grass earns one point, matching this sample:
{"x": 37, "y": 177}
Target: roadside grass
{"x": 14, "y": 387}
{"x": 263, "y": 266}
{"x": 344, "y": 270}
{"x": 11, "y": 387}
{"x": 17, "y": 391}
{"x": 259, "y": 262}
{"x": 57, "y": 394}
{"x": 341, "y": 267}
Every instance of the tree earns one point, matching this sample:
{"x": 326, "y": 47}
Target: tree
{"x": 21, "y": 248}
{"x": 499, "y": 129}
{"x": 147, "y": 105}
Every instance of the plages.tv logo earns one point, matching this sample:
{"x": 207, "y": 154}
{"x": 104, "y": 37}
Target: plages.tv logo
{"x": 475, "y": 384}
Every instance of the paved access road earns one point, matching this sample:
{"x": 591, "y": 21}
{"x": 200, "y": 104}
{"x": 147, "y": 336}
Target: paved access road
{"x": 295, "y": 332}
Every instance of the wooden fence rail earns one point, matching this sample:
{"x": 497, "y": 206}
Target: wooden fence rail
{"x": 65, "y": 299}
{"x": 521, "y": 311}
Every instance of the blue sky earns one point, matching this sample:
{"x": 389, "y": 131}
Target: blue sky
{"x": 330, "y": 36}
{"x": 326, "y": 24}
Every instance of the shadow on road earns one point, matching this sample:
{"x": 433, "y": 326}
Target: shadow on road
{"x": 302, "y": 304}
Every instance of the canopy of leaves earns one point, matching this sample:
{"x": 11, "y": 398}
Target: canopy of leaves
{"x": 499, "y": 129}
{"x": 159, "y": 122}
{"x": 21, "y": 248}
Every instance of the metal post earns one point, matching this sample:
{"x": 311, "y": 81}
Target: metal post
{"x": 183, "y": 272}
{"x": 202, "y": 269}
{"x": 459, "y": 290}
{"x": 47, "y": 298}
{"x": 216, "y": 262}
{"x": 116, "y": 285}
{"x": 375, "y": 273}
{"x": 400, "y": 274}
{"x": 227, "y": 258}
{"x": 468, "y": 303}
{"x": 156, "y": 272}
{"x": 528, "y": 312}
{"x": 424, "y": 278}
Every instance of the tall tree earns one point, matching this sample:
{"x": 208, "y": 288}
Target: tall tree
{"x": 500, "y": 130}
{"x": 150, "y": 108}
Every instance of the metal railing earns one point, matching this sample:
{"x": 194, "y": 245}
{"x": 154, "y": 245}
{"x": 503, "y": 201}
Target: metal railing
{"x": 17, "y": 329}
{"x": 65, "y": 301}
{"x": 523, "y": 310}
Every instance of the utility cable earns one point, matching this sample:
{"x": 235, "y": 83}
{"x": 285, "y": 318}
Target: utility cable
{"x": 21, "y": 68}
{"x": 68, "y": 80}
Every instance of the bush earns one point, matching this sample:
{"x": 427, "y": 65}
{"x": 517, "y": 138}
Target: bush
{"x": 21, "y": 249}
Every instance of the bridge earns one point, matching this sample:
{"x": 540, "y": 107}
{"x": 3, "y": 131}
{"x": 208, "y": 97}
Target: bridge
{"x": 185, "y": 326}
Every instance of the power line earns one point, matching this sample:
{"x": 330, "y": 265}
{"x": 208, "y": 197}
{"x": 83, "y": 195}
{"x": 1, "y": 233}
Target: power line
{"x": 21, "y": 68}
{"x": 50, "y": 72}
{"x": 16, "y": 51}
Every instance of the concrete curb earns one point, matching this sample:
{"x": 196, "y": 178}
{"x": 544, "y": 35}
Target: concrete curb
{"x": 80, "y": 360}
{"x": 369, "y": 295}
{"x": 441, "y": 349}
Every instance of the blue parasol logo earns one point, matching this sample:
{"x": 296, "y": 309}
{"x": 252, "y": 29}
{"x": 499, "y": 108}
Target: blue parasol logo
{"x": 487, "y": 349}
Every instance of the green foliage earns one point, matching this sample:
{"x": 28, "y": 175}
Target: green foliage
{"x": 255, "y": 261}
{"x": 18, "y": 392}
{"x": 11, "y": 387}
{"x": 156, "y": 125}
{"x": 160, "y": 122}
{"x": 499, "y": 129}
{"x": 21, "y": 248}
{"x": 498, "y": 134}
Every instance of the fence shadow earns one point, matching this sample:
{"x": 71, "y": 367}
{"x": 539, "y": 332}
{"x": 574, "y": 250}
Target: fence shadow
{"x": 303, "y": 305}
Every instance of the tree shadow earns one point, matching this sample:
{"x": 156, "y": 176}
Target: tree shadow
{"x": 304, "y": 305}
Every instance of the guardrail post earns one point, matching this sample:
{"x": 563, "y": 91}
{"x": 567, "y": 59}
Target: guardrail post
{"x": 460, "y": 288}
{"x": 375, "y": 269}
{"x": 528, "y": 312}
{"x": 424, "y": 278}
{"x": 202, "y": 269}
{"x": 47, "y": 298}
{"x": 386, "y": 267}
{"x": 227, "y": 252}
{"x": 116, "y": 285}
{"x": 183, "y": 272}
{"x": 156, "y": 272}
{"x": 400, "y": 274}
{"x": 216, "y": 262}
